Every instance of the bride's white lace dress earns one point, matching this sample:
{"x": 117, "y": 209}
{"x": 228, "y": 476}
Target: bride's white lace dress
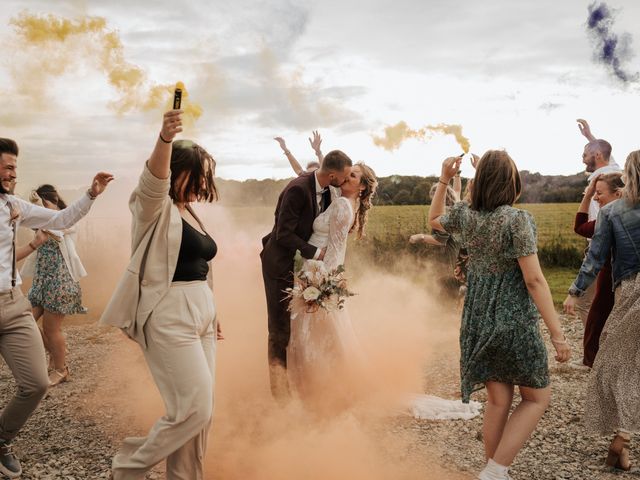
{"x": 325, "y": 362}
{"x": 323, "y": 351}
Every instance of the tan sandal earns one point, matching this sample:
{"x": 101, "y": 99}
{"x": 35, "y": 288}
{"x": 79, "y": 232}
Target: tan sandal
{"x": 618, "y": 456}
{"x": 56, "y": 377}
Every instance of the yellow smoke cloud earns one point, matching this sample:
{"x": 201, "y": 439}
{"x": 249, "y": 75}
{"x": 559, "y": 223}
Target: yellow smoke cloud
{"x": 53, "y": 44}
{"x": 395, "y": 135}
{"x": 455, "y": 130}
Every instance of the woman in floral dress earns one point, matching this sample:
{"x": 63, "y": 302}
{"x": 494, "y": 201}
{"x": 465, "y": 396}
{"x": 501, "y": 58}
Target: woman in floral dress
{"x": 55, "y": 291}
{"x": 500, "y": 341}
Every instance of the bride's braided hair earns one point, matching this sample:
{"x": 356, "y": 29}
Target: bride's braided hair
{"x": 370, "y": 183}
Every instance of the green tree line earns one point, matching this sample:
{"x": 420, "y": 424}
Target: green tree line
{"x": 410, "y": 189}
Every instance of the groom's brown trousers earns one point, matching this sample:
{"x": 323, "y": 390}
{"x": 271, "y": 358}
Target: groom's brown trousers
{"x": 279, "y": 325}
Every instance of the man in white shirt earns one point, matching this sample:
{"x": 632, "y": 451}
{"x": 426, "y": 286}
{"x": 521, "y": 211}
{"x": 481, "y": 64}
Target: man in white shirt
{"x": 20, "y": 341}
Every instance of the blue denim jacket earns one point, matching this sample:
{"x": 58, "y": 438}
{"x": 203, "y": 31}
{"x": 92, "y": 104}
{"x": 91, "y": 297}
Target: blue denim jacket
{"x": 617, "y": 230}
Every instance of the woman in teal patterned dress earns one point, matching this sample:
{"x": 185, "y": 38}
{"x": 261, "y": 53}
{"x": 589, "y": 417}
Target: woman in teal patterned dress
{"x": 500, "y": 341}
{"x": 55, "y": 292}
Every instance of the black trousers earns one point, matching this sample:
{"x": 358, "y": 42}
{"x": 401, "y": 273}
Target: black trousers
{"x": 279, "y": 325}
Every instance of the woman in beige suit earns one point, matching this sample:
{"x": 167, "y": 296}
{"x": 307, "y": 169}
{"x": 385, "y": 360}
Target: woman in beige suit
{"x": 165, "y": 303}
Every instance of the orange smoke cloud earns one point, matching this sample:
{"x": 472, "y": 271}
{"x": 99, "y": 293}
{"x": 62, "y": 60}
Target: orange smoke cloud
{"x": 53, "y": 45}
{"x": 401, "y": 328}
{"x": 395, "y": 135}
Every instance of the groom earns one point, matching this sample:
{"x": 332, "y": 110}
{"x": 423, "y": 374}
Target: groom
{"x": 301, "y": 201}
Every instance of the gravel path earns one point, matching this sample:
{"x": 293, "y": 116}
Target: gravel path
{"x": 73, "y": 436}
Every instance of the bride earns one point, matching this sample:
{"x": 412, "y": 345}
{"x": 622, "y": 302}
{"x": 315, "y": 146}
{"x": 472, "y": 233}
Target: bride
{"x": 324, "y": 359}
{"x": 326, "y": 365}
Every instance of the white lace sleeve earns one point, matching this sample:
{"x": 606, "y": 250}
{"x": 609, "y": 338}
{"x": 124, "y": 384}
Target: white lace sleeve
{"x": 340, "y": 220}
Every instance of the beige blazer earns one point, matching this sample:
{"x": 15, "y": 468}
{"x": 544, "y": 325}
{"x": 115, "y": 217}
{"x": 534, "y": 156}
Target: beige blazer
{"x": 156, "y": 234}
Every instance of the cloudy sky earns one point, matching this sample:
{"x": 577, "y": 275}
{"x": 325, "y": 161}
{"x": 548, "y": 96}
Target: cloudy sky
{"x": 514, "y": 74}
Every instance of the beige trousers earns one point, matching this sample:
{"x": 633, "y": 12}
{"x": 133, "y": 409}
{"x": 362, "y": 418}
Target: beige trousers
{"x": 180, "y": 353}
{"x": 22, "y": 349}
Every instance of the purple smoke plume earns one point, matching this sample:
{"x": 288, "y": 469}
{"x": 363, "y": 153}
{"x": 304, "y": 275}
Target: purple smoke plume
{"x": 611, "y": 49}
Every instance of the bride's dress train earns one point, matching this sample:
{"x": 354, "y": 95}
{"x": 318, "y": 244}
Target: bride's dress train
{"x": 326, "y": 365}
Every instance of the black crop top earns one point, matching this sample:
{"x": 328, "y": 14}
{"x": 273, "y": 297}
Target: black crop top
{"x": 196, "y": 250}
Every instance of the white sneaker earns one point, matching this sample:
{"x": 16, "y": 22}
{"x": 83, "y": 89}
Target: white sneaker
{"x": 485, "y": 476}
{"x": 578, "y": 365}
{"x": 493, "y": 471}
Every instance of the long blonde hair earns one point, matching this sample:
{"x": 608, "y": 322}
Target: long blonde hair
{"x": 370, "y": 182}
{"x": 450, "y": 198}
{"x": 632, "y": 178}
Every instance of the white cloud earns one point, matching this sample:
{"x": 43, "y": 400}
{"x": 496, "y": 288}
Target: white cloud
{"x": 514, "y": 74}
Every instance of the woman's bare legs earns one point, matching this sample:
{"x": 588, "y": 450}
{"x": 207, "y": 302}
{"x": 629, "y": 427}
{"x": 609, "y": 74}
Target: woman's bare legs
{"x": 55, "y": 342}
{"x": 37, "y": 314}
{"x": 496, "y": 414}
{"x": 522, "y": 423}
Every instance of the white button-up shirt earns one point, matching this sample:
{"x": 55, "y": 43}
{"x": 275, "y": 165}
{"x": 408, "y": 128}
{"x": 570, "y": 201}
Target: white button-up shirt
{"x": 32, "y": 216}
{"x": 335, "y": 193}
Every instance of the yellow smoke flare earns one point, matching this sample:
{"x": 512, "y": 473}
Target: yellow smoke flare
{"x": 49, "y": 36}
{"x": 455, "y": 130}
{"x": 191, "y": 110}
{"x": 395, "y": 135}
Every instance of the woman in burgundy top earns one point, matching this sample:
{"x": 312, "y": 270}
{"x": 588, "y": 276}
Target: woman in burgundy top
{"x": 603, "y": 189}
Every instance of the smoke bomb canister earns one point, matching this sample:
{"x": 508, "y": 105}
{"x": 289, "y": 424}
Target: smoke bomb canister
{"x": 177, "y": 99}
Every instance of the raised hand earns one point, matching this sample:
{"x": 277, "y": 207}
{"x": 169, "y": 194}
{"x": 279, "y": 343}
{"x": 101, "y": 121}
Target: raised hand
{"x": 280, "y": 141}
{"x": 450, "y": 167}
{"x": 591, "y": 189}
{"x": 585, "y": 130}
{"x": 317, "y": 140}
{"x": 99, "y": 184}
{"x": 171, "y": 125}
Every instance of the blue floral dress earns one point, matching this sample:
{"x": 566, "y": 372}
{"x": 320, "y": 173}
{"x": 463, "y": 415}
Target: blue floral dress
{"x": 500, "y": 336}
{"x": 53, "y": 288}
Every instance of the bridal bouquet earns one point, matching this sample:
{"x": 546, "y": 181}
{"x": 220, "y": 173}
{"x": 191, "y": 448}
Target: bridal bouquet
{"x": 316, "y": 287}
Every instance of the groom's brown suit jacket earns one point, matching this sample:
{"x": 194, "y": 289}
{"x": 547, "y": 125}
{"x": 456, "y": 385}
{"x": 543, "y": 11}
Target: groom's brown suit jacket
{"x": 295, "y": 212}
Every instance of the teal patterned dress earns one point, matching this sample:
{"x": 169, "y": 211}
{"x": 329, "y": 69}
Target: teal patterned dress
{"x": 500, "y": 336}
{"x": 53, "y": 288}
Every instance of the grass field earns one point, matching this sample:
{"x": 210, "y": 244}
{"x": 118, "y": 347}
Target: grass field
{"x": 554, "y": 222}
{"x": 560, "y": 249}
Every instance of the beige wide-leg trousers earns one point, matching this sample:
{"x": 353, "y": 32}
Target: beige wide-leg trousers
{"x": 180, "y": 353}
